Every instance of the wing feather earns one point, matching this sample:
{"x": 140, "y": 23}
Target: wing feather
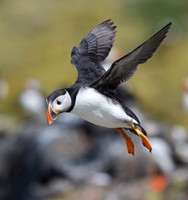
{"x": 124, "y": 68}
{"x": 93, "y": 49}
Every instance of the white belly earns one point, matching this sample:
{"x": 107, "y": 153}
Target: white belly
{"x": 97, "y": 109}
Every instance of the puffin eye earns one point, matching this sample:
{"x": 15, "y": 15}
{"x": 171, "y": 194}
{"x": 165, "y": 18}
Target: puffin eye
{"x": 59, "y": 102}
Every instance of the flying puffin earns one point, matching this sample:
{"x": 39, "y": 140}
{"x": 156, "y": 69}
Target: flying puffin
{"x": 94, "y": 95}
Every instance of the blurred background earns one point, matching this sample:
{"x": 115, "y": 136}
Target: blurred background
{"x": 73, "y": 159}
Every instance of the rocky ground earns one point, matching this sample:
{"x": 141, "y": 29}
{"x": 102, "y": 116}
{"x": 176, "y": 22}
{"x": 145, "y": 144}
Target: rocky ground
{"x": 72, "y": 159}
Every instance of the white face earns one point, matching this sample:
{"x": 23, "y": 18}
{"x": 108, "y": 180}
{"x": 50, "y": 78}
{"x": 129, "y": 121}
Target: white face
{"x": 62, "y": 103}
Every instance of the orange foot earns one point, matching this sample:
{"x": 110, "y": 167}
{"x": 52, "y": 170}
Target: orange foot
{"x": 129, "y": 142}
{"x": 145, "y": 140}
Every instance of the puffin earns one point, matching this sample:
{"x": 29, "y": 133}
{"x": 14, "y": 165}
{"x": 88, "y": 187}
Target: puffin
{"x": 94, "y": 96}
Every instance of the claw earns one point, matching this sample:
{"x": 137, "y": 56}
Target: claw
{"x": 129, "y": 142}
{"x": 145, "y": 140}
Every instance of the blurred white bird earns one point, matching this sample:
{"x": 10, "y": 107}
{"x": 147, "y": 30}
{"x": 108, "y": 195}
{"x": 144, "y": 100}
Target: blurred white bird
{"x": 184, "y": 86}
{"x": 32, "y": 100}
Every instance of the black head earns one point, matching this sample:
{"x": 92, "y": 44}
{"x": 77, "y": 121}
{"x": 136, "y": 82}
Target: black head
{"x": 58, "y": 101}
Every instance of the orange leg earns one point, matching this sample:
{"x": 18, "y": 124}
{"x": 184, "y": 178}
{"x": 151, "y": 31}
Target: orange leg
{"x": 145, "y": 140}
{"x": 129, "y": 142}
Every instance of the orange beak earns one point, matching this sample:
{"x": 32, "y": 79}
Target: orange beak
{"x": 51, "y": 115}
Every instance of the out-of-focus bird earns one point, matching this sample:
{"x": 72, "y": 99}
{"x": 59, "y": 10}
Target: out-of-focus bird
{"x": 93, "y": 96}
{"x": 184, "y": 86}
{"x": 32, "y": 99}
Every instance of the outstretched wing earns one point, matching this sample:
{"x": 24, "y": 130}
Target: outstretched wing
{"x": 124, "y": 68}
{"x": 94, "y": 48}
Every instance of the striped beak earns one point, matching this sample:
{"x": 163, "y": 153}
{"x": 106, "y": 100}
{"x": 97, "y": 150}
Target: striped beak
{"x": 51, "y": 114}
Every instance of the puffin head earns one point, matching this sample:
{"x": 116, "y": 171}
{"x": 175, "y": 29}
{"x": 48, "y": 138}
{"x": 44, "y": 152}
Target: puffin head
{"x": 58, "y": 102}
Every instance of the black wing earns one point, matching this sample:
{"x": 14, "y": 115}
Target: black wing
{"x": 124, "y": 68}
{"x": 94, "y": 48}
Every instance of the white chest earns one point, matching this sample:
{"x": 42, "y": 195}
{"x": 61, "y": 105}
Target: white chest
{"x": 96, "y": 108}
